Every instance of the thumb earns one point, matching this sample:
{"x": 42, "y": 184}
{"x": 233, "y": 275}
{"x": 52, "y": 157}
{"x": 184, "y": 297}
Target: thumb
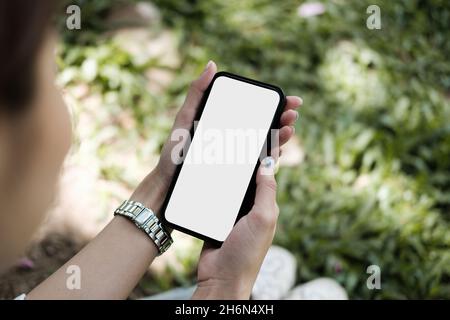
{"x": 186, "y": 115}
{"x": 184, "y": 120}
{"x": 265, "y": 209}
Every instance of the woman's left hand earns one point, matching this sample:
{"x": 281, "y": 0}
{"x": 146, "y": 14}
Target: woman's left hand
{"x": 153, "y": 189}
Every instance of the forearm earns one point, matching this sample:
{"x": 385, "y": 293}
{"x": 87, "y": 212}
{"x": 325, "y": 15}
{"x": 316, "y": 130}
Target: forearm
{"x": 110, "y": 265}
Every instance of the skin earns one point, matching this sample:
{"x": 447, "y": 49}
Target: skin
{"x": 114, "y": 261}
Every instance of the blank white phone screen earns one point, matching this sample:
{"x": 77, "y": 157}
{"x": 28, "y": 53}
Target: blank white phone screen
{"x": 219, "y": 164}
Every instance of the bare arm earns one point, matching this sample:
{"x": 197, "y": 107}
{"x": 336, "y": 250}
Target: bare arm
{"x": 110, "y": 265}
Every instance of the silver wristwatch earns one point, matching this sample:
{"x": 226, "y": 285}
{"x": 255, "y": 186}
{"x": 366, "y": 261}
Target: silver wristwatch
{"x": 146, "y": 220}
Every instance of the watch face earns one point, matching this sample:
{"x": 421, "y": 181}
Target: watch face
{"x": 143, "y": 216}
{"x": 146, "y": 220}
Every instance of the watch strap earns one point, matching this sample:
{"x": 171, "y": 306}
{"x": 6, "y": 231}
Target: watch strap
{"x": 146, "y": 220}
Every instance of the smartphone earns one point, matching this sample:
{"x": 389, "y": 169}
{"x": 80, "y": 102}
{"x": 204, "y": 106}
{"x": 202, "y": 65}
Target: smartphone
{"x": 214, "y": 185}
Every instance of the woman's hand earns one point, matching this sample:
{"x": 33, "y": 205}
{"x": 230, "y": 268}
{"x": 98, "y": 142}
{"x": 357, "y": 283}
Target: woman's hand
{"x": 153, "y": 189}
{"x": 229, "y": 272}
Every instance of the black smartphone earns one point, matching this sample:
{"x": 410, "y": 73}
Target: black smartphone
{"x": 214, "y": 185}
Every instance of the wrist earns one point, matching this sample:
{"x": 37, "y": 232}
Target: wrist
{"x": 152, "y": 191}
{"x": 222, "y": 290}
{"x": 146, "y": 221}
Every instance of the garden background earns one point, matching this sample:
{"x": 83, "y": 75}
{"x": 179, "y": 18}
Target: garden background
{"x": 367, "y": 178}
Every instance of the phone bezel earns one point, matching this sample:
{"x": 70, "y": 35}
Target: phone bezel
{"x": 248, "y": 200}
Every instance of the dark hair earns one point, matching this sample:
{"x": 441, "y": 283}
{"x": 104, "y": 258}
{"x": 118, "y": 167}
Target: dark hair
{"x": 23, "y": 25}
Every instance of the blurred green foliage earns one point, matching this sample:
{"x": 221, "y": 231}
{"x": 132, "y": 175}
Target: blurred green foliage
{"x": 374, "y": 187}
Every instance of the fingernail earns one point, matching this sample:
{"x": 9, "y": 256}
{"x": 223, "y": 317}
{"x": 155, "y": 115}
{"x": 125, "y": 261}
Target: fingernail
{"x": 296, "y": 115}
{"x": 293, "y": 129}
{"x": 268, "y": 166}
{"x": 268, "y": 162}
{"x": 300, "y": 100}
{"x": 208, "y": 65}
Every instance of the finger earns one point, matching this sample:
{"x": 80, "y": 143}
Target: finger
{"x": 285, "y": 134}
{"x": 265, "y": 209}
{"x": 288, "y": 117}
{"x": 275, "y": 153}
{"x": 186, "y": 115}
{"x": 293, "y": 102}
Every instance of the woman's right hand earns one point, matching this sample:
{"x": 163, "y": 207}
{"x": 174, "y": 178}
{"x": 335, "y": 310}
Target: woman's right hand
{"x": 230, "y": 271}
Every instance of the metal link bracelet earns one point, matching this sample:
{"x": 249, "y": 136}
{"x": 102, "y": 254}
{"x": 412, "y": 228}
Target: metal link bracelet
{"x": 146, "y": 220}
